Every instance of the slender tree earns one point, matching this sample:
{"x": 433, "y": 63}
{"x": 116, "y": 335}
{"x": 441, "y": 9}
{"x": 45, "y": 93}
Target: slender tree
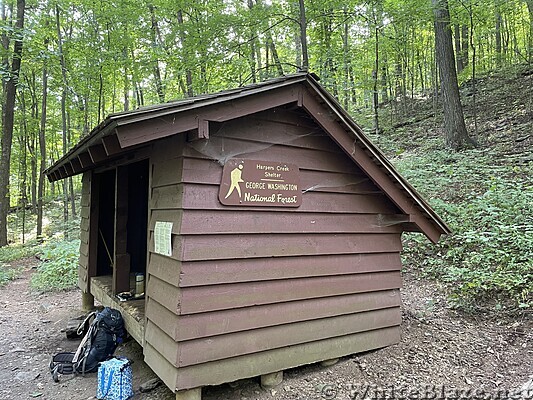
{"x": 303, "y": 35}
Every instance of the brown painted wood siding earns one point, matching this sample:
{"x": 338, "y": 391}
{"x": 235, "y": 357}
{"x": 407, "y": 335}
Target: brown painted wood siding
{"x": 85, "y": 212}
{"x": 249, "y": 284}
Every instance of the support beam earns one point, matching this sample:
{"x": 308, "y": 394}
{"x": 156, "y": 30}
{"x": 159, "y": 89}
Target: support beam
{"x": 76, "y": 166}
{"x": 111, "y": 144}
{"x": 62, "y": 172}
{"x": 68, "y": 169}
{"x": 97, "y": 153}
{"x": 203, "y": 128}
{"x": 85, "y": 160}
{"x": 121, "y": 259}
{"x": 87, "y": 301}
{"x": 157, "y": 128}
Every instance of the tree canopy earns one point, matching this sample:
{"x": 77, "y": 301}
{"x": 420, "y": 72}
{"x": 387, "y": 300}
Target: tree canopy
{"x": 82, "y": 60}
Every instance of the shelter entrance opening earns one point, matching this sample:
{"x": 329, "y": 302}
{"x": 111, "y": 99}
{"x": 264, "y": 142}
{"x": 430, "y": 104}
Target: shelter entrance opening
{"x": 122, "y": 200}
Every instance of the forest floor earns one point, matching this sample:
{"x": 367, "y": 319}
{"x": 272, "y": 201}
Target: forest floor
{"x": 443, "y": 353}
{"x": 440, "y": 348}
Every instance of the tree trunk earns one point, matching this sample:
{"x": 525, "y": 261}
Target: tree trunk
{"x": 63, "y": 113}
{"x": 188, "y": 72}
{"x": 498, "y": 36}
{"x": 464, "y": 45}
{"x": 42, "y": 148}
{"x": 456, "y": 134}
{"x": 274, "y": 52}
{"x": 458, "y": 48}
{"x": 8, "y": 114}
{"x": 530, "y": 43}
{"x": 252, "y": 41}
{"x": 375, "y": 99}
{"x": 303, "y": 36}
{"x": 157, "y": 71}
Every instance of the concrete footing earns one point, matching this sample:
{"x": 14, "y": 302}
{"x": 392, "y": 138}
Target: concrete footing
{"x": 87, "y": 301}
{"x": 329, "y": 363}
{"x": 271, "y": 380}
{"x": 191, "y": 394}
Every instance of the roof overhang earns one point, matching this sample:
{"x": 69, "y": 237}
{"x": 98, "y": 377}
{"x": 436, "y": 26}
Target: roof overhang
{"x": 123, "y": 132}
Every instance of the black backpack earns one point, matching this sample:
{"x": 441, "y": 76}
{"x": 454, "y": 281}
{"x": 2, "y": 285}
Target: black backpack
{"x": 105, "y": 333}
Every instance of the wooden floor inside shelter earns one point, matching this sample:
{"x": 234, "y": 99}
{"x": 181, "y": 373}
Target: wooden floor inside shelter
{"x": 132, "y": 311}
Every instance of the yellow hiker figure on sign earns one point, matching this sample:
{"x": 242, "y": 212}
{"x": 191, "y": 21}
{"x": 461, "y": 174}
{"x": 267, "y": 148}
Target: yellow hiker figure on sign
{"x": 236, "y": 179}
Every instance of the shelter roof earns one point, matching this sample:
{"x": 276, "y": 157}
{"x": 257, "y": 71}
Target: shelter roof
{"x": 123, "y": 132}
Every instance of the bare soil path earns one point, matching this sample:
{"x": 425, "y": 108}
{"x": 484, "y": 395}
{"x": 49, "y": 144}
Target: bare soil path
{"x": 441, "y": 352}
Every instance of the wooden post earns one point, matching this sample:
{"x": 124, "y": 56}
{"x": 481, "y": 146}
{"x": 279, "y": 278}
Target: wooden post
{"x": 121, "y": 259}
{"x": 191, "y": 394}
{"x": 87, "y": 301}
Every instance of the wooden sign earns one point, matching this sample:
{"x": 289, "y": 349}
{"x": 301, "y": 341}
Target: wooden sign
{"x": 260, "y": 183}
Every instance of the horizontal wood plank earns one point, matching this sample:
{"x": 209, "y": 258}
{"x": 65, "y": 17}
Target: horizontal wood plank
{"x": 201, "y": 273}
{"x": 210, "y": 173}
{"x": 165, "y": 319}
{"x": 311, "y": 159}
{"x": 220, "y": 322}
{"x": 159, "y": 364}
{"x": 174, "y": 216}
{"x": 163, "y": 343}
{"x": 165, "y": 268}
{"x": 83, "y": 260}
{"x": 205, "y": 197}
{"x": 195, "y": 222}
{"x": 84, "y": 224}
{"x": 164, "y": 293}
{"x": 166, "y": 197}
{"x": 85, "y": 212}
{"x": 85, "y": 200}
{"x": 257, "y": 340}
{"x": 218, "y": 247}
{"x": 84, "y": 248}
{"x": 231, "y": 369}
{"x": 226, "y": 296}
{"x": 166, "y": 172}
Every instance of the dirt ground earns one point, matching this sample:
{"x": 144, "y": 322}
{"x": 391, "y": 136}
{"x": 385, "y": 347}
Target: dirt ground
{"x": 442, "y": 353}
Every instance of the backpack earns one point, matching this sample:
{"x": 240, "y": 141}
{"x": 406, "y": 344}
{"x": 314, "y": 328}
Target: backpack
{"x": 105, "y": 333}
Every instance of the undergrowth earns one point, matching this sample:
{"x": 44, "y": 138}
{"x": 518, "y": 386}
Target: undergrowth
{"x": 12, "y": 253}
{"x": 487, "y": 260}
{"x": 59, "y": 268}
{"x": 7, "y": 273}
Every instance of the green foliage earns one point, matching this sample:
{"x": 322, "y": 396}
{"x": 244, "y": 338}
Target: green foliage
{"x": 14, "y": 253}
{"x": 59, "y": 271}
{"x": 17, "y": 251}
{"x": 487, "y": 260}
{"x": 7, "y": 273}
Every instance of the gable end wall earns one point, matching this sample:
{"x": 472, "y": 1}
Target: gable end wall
{"x": 253, "y": 290}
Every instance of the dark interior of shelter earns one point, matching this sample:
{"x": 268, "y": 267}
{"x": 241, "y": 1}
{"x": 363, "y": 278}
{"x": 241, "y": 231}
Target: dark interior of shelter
{"x": 137, "y": 218}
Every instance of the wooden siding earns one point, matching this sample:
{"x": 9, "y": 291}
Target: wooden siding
{"x": 250, "y": 365}
{"x": 85, "y": 212}
{"x": 253, "y": 290}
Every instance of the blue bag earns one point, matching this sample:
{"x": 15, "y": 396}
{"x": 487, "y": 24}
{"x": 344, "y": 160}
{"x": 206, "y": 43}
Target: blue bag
{"x": 115, "y": 380}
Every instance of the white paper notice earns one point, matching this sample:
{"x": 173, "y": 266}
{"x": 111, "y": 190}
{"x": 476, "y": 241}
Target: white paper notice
{"x": 163, "y": 238}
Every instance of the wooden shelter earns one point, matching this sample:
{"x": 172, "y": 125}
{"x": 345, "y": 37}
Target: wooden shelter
{"x": 266, "y": 223}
